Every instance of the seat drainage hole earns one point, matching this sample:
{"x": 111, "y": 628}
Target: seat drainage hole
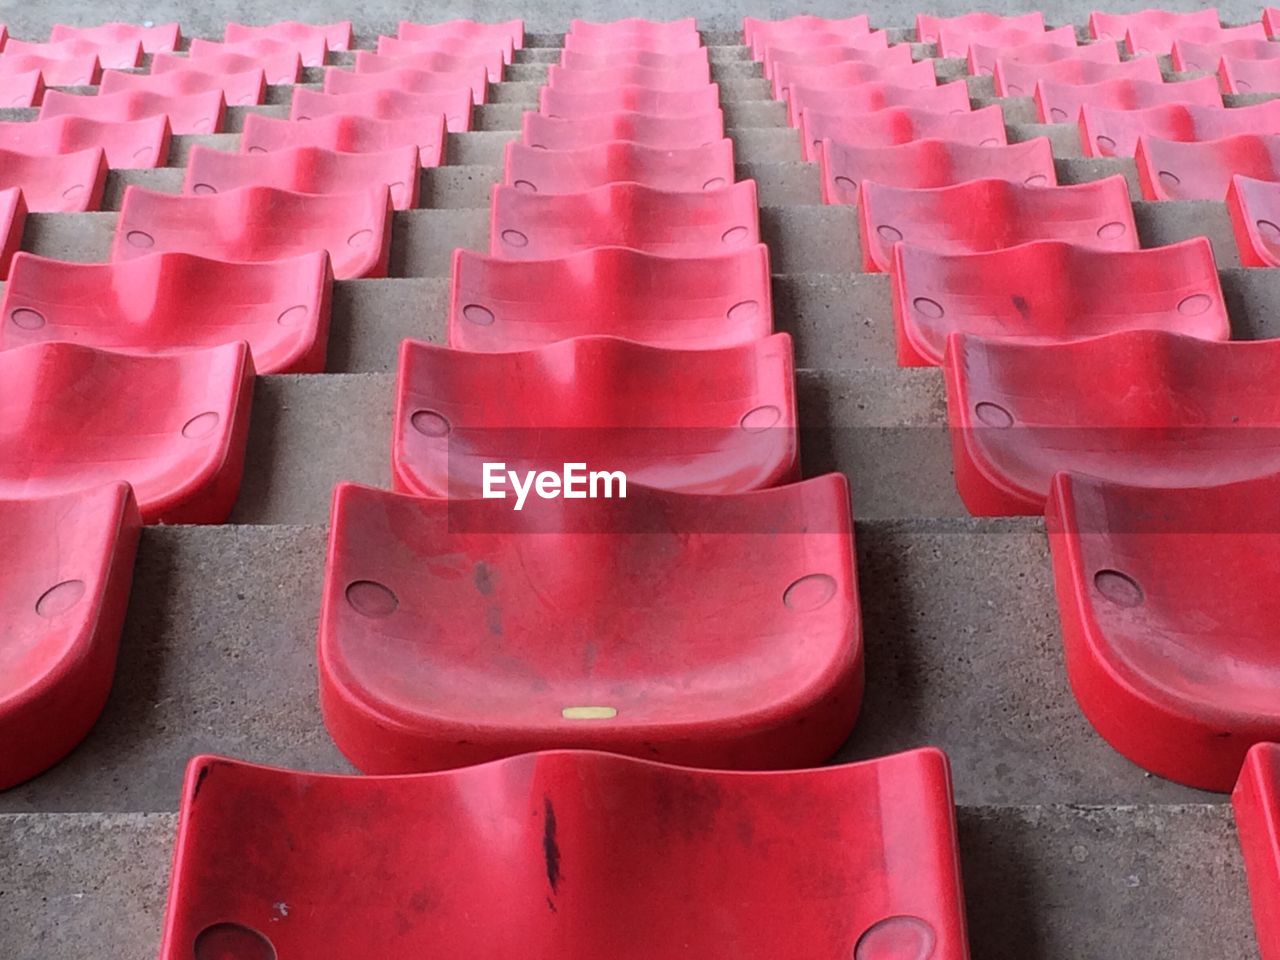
{"x": 928, "y": 308}
{"x": 27, "y": 318}
{"x": 715, "y": 183}
{"x": 1268, "y": 228}
{"x": 203, "y": 188}
{"x": 734, "y": 235}
{"x": 514, "y": 238}
{"x": 1112, "y": 231}
{"x": 360, "y": 238}
{"x": 1120, "y": 588}
{"x": 526, "y": 185}
{"x": 1105, "y": 144}
{"x": 60, "y": 598}
{"x": 1059, "y": 115}
{"x": 137, "y": 238}
{"x": 744, "y": 311}
{"x": 889, "y": 234}
{"x": 1195, "y": 304}
{"x": 760, "y": 419}
{"x": 847, "y": 185}
{"x": 896, "y": 938}
{"x": 201, "y": 425}
{"x": 480, "y": 316}
{"x": 993, "y": 415}
{"x": 372, "y": 599}
{"x": 232, "y": 941}
{"x": 810, "y": 593}
{"x": 1168, "y": 178}
{"x": 430, "y": 424}
{"x": 292, "y": 317}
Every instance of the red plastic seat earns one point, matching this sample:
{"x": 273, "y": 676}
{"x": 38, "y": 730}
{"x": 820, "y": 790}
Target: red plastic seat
{"x": 1115, "y": 133}
{"x": 894, "y": 125}
{"x": 1140, "y": 41}
{"x": 670, "y": 133}
{"x": 187, "y": 113}
{"x": 1114, "y": 26}
{"x": 161, "y": 38}
{"x": 872, "y": 96}
{"x": 678, "y": 303}
{"x": 508, "y": 34}
{"x": 1020, "y": 79}
{"x": 260, "y": 223}
{"x": 63, "y": 593}
{"x": 348, "y": 134}
{"x": 1256, "y": 801}
{"x": 336, "y": 36}
{"x": 588, "y": 854}
{"x": 567, "y": 80}
{"x": 409, "y": 80}
{"x": 849, "y": 73}
{"x": 789, "y": 64}
{"x": 928, "y": 27}
{"x": 530, "y": 226}
{"x": 61, "y": 183}
{"x": 119, "y": 55}
{"x": 479, "y": 49}
{"x": 687, "y": 60}
{"x": 21, "y": 90}
{"x": 679, "y": 43}
{"x": 1249, "y": 76}
{"x": 833, "y": 47}
{"x": 1062, "y": 102}
{"x": 1204, "y": 57}
{"x": 1143, "y": 407}
{"x": 931, "y": 163}
{"x": 634, "y": 27}
{"x": 172, "y": 426}
{"x": 573, "y": 171}
{"x": 758, "y": 668}
{"x": 695, "y": 421}
{"x": 955, "y": 40}
{"x": 127, "y": 144}
{"x": 56, "y": 71}
{"x": 759, "y": 34}
{"x": 174, "y": 301}
{"x": 312, "y": 52}
{"x": 239, "y": 89}
{"x": 984, "y": 215}
{"x": 282, "y": 68}
{"x": 456, "y": 105}
{"x": 1049, "y": 47}
{"x": 13, "y": 219}
{"x": 629, "y": 98}
{"x": 313, "y": 170}
{"x": 1180, "y": 693}
{"x": 1254, "y": 206}
{"x": 1052, "y": 292}
{"x": 1171, "y": 170}
{"x": 434, "y": 62}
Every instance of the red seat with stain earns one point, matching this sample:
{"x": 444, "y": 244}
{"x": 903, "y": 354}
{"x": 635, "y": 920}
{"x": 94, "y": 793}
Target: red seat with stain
{"x": 956, "y": 40}
{"x": 491, "y": 64}
{"x": 312, "y": 52}
{"x": 1115, "y": 26}
{"x": 174, "y": 301}
{"x": 667, "y": 133}
{"x": 675, "y": 302}
{"x": 696, "y": 421}
{"x": 463, "y": 34}
{"x": 849, "y": 73}
{"x": 456, "y": 105}
{"x": 658, "y": 103}
{"x": 239, "y": 89}
{"x": 393, "y": 48}
{"x": 587, "y": 854}
{"x": 1115, "y": 133}
{"x": 895, "y": 125}
{"x": 187, "y": 113}
{"x": 172, "y": 426}
{"x": 931, "y": 163}
{"x": 348, "y": 134}
{"x": 1143, "y": 407}
{"x": 986, "y": 215}
{"x": 1249, "y": 76}
{"x": 1170, "y": 170}
{"x": 686, "y": 60}
{"x": 680, "y": 43}
{"x": 1020, "y": 79}
{"x": 744, "y": 653}
{"x": 1062, "y": 102}
{"x": 1254, "y": 207}
{"x": 528, "y": 226}
{"x": 1052, "y": 46}
{"x": 56, "y": 71}
{"x": 573, "y": 171}
{"x": 119, "y": 55}
{"x": 1052, "y": 292}
{"x": 127, "y": 144}
{"x": 757, "y": 33}
{"x": 832, "y": 48}
{"x": 1141, "y": 42}
{"x": 1181, "y": 692}
{"x": 336, "y": 36}
{"x": 282, "y": 68}
{"x": 161, "y": 38}
{"x": 64, "y": 588}
{"x": 568, "y": 80}
{"x": 475, "y": 79}
{"x": 1189, "y": 56}
{"x": 1256, "y": 802}
{"x": 305, "y": 170}
{"x": 13, "y": 219}
{"x": 22, "y": 90}
{"x": 260, "y": 223}
{"x": 872, "y": 96}
{"x": 61, "y": 183}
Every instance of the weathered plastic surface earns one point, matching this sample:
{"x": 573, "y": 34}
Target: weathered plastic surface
{"x": 928, "y": 27}
{"x": 739, "y": 646}
{"x": 874, "y": 95}
{"x": 336, "y": 36}
{"x": 260, "y": 223}
{"x": 693, "y": 421}
{"x": 629, "y": 97}
{"x": 1115, "y": 26}
{"x": 1061, "y": 102}
{"x": 984, "y": 215}
{"x": 1144, "y": 407}
{"x": 239, "y": 89}
{"x": 1256, "y": 801}
{"x": 628, "y": 27}
{"x": 350, "y": 134}
{"x": 434, "y": 62}
{"x": 454, "y": 35}
{"x": 669, "y": 133}
{"x": 284, "y": 67}
{"x": 634, "y": 37}
{"x": 896, "y": 125}
{"x": 689, "y": 169}
{"x": 127, "y": 144}
{"x": 849, "y": 73}
{"x": 312, "y": 51}
{"x": 832, "y": 48}
{"x": 1050, "y": 47}
{"x": 1143, "y": 42}
{"x": 396, "y": 48}
{"x": 954, "y": 40}
{"x": 161, "y": 38}
{"x": 758, "y": 34}
{"x": 1239, "y": 75}
{"x": 685, "y": 60}
{"x": 174, "y": 301}
{"x": 61, "y": 183}
{"x": 475, "y": 79}
{"x": 1014, "y": 79}
{"x": 1052, "y": 292}
{"x": 1171, "y": 170}
{"x": 529, "y": 226}
{"x": 575, "y": 80}
{"x": 1114, "y": 133}
{"x": 56, "y": 71}
{"x": 66, "y": 575}
{"x": 1254, "y": 207}
{"x": 1205, "y": 57}
{"x": 187, "y": 113}
{"x": 112, "y": 55}
{"x": 21, "y": 90}
{"x": 455, "y": 105}
{"x": 676, "y": 302}
{"x": 13, "y": 220}
{"x": 172, "y": 426}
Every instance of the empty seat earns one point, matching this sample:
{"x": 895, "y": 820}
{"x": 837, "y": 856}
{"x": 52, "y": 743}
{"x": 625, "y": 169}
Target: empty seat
{"x": 1061, "y": 102}
{"x": 530, "y": 226}
{"x": 465, "y": 49}
{"x": 336, "y": 36}
{"x": 633, "y": 27}
{"x": 1181, "y": 694}
{"x": 22, "y": 90}
{"x": 1114, "y": 26}
{"x": 658, "y": 103}
{"x": 434, "y": 62}
{"x": 238, "y": 89}
{"x": 931, "y": 163}
{"x": 676, "y": 302}
{"x": 652, "y": 78}
{"x": 410, "y": 81}
{"x": 174, "y": 301}
{"x": 832, "y": 48}
{"x": 1204, "y": 57}
{"x": 1254, "y": 207}
{"x": 1256, "y": 802}
{"x": 573, "y": 171}
{"x": 955, "y": 41}
{"x": 161, "y": 38}
{"x": 1114, "y": 133}
{"x": 883, "y": 128}
{"x": 678, "y": 43}
{"x": 986, "y": 215}
{"x": 58, "y": 183}
{"x": 1020, "y": 79}
{"x": 13, "y": 219}
{"x": 1143, "y": 407}
{"x": 929, "y": 27}
{"x": 757, "y": 34}
{"x": 686, "y": 60}
{"x": 117, "y": 55}
{"x": 347, "y": 133}
{"x": 312, "y": 51}
{"x": 310, "y": 104}
{"x": 56, "y": 71}
{"x": 850, "y": 73}
{"x": 508, "y": 34}
{"x": 1249, "y": 76}
{"x": 868, "y": 97}
{"x": 1141, "y": 41}
{"x": 187, "y": 113}
{"x": 669, "y": 133}
{"x": 1054, "y": 45}
{"x": 64, "y": 588}
{"x": 1171, "y": 170}
{"x": 260, "y": 223}
{"x": 127, "y": 143}
{"x": 172, "y": 426}
{"x": 1049, "y": 291}
{"x": 603, "y": 644}
{"x": 790, "y": 65}
{"x": 281, "y": 68}
{"x": 697, "y": 421}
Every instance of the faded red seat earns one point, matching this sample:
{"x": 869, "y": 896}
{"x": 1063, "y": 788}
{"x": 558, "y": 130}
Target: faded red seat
{"x": 929, "y": 27}
{"x": 685, "y": 60}
{"x": 21, "y": 90}
{"x": 1256, "y": 802}
{"x": 174, "y": 301}
{"x": 1143, "y": 407}
{"x": 312, "y": 51}
{"x": 573, "y": 171}
{"x": 758, "y": 34}
{"x": 13, "y": 219}
{"x": 238, "y": 89}
{"x": 696, "y": 421}
{"x": 678, "y": 43}
{"x": 986, "y": 215}
{"x": 368, "y": 62}
{"x": 1052, "y": 46}
{"x": 849, "y": 73}
{"x": 127, "y": 144}
{"x": 529, "y": 226}
{"x": 955, "y": 40}
{"x": 679, "y": 303}
{"x": 58, "y": 183}
{"x": 312, "y": 170}
{"x": 1114, "y": 26}
{"x": 1020, "y": 79}
{"x": 832, "y": 48}
{"x": 670, "y": 133}
{"x": 672, "y": 867}
{"x": 758, "y": 668}
{"x": 1062, "y": 102}
{"x": 349, "y": 134}
{"x": 260, "y": 223}
{"x": 187, "y": 113}
{"x": 56, "y": 71}
{"x": 1249, "y": 76}
{"x": 173, "y": 426}
{"x": 117, "y": 55}
{"x": 1170, "y": 170}
{"x": 1141, "y": 41}
{"x": 892, "y": 125}
{"x": 456, "y": 105}
{"x": 630, "y": 98}
{"x": 1180, "y": 693}
{"x": 872, "y": 96}
{"x": 1049, "y": 291}
{"x": 336, "y": 36}
{"x": 1254, "y": 206}
{"x": 282, "y": 68}
{"x": 64, "y": 588}
{"x": 394, "y": 48}
{"x": 161, "y": 38}
{"x": 568, "y": 80}
{"x": 508, "y": 34}
{"x": 633, "y": 27}
{"x": 1204, "y": 57}
{"x": 1115, "y": 133}
{"x": 475, "y": 79}
{"x": 791, "y": 64}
